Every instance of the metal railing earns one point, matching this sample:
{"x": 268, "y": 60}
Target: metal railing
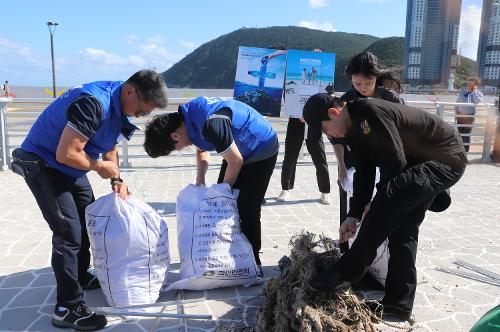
{"x": 18, "y": 115}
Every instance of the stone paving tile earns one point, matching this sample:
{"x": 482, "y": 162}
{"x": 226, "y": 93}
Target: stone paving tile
{"x": 18, "y": 319}
{"x": 255, "y": 290}
{"x": 469, "y": 230}
{"x": 18, "y": 280}
{"x": 6, "y": 295}
{"x": 193, "y": 294}
{"x": 444, "y": 325}
{"x": 201, "y": 324}
{"x": 42, "y": 324}
{"x": 222, "y": 293}
{"x": 124, "y": 327}
{"x": 44, "y": 280}
{"x": 31, "y": 296}
{"x": 226, "y": 309}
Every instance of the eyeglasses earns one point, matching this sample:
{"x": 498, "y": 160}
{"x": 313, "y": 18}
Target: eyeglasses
{"x": 140, "y": 112}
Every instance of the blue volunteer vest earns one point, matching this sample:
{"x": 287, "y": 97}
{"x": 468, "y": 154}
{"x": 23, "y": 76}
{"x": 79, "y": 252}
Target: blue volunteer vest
{"x": 251, "y": 132}
{"x": 44, "y": 136}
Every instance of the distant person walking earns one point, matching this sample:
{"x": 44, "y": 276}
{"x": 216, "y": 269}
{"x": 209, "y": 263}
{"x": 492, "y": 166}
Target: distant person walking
{"x": 5, "y": 87}
{"x": 64, "y": 144}
{"x": 465, "y": 114}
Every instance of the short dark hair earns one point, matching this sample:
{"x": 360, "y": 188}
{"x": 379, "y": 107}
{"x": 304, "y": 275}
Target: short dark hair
{"x": 157, "y": 140}
{"x": 316, "y": 109}
{"x": 474, "y": 79}
{"x": 151, "y": 86}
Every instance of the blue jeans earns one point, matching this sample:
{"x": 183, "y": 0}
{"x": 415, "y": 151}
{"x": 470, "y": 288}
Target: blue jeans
{"x": 62, "y": 200}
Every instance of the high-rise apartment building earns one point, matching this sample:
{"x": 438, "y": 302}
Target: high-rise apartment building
{"x": 431, "y": 41}
{"x": 488, "y": 52}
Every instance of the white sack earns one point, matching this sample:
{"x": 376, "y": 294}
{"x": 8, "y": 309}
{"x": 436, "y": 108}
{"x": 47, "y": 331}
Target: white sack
{"x": 129, "y": 243}
{"x": 212, "y": 249}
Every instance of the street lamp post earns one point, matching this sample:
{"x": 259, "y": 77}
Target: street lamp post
{"x": 52, "y": 27}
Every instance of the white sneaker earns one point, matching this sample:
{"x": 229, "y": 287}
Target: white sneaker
{"x": 283, "y": 196}
{"x": 325, "y": 198}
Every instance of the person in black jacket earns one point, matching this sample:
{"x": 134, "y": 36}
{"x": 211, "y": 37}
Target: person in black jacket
{"x": 368, "y": 80}
{"x": 419, "y": 156}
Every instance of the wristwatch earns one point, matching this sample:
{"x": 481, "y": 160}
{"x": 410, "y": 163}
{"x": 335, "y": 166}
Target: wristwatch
{"x": 115, "y": 181}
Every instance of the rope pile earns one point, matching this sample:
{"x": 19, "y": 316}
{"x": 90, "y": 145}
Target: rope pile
{"x": 292, "y": 305}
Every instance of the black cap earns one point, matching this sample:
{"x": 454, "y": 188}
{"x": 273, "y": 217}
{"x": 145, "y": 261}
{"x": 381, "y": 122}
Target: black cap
{"x": 316, "y": 109}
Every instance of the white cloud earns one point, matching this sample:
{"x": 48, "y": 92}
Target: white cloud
{"x": 13, "y": 51}
{"x": 325, "y": 26}
{"x": 98, "y": 64}
{"x": 137, "y": 61}
{"x": 318, "y": 3}
{"x": 188, "y": 45}
{"x": 157, "y": 55}
{"x": 131, "y": 39}
{"x": 23, "y": 65}
{"x": 156, "y": 40}
{"x": 468, "y": 36}
{"x": 20, "y": 64}
{"x": 98, "y": 56}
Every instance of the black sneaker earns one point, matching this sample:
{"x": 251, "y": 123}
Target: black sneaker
{"x": 327, "y": 281}
{"x": 89, "y": 281}
{"x": 393, "y": 314}
{"x": 79, "y": 317}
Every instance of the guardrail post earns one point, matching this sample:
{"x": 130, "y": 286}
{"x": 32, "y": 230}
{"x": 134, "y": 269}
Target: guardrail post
{"x": 489, "y": 131}
{"x": 440, "y": 110}
{"x": 495, "y": 154}
{"x": 124, "y": 157}
{"x": 4, "y": 166}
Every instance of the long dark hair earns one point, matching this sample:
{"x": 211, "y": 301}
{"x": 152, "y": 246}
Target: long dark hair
{"x": 367, "y": 64}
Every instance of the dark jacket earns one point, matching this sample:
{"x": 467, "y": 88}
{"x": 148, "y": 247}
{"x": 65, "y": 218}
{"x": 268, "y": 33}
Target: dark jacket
{"x": 392, "y": 137}
{"x": 353, "y": 94}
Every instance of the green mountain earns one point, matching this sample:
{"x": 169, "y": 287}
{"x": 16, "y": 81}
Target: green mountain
{"x": 389, "y": 50}
{"x": 213, "y": 64}
{"x": 466, "y": 69}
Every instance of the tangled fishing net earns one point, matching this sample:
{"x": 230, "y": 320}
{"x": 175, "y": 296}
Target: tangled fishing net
{"x": 292, "y": 305}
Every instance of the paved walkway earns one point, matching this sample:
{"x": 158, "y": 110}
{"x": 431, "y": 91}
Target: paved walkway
{"x": 469, "y": 230}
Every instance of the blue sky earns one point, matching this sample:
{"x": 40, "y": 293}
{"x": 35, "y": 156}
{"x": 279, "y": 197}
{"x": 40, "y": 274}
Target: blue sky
{"x": 109, "y": 40}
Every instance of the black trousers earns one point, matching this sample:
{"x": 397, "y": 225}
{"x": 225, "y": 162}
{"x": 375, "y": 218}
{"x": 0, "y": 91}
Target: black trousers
{"x": 315, "y": 146}
{"x": 62, "y": 201}
{"x": 396, "y": 213}
{"x": 343, "y": 214}
{"x": 465, "y": 131}
{"x": 252, "y": 183}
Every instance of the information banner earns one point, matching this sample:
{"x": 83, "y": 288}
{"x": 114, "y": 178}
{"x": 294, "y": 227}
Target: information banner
{"x": 260, "y": 73}
{"x": 307, "y": 73}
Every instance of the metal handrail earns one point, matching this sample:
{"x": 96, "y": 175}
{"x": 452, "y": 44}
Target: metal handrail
{"x": 40, "y": 103}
